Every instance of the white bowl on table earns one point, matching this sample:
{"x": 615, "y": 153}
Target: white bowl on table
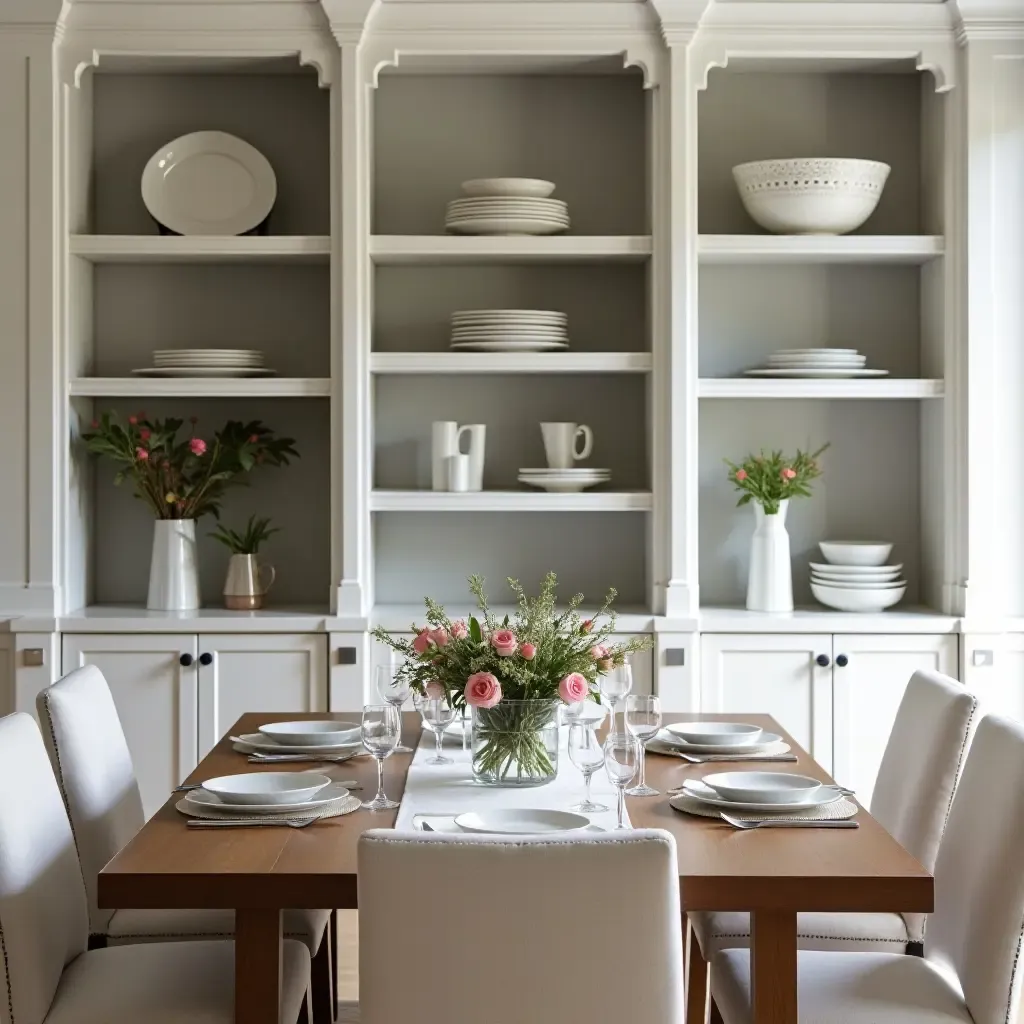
{"x": 721, "y": 734}
{"x": 848, "y": 599}
{"x": 521, "y": 822}
{"x": 855, "y": 552}
{"x": 312, "y": 733}
{"x": 267, "y": 787}
{"x": 763, "y": 787}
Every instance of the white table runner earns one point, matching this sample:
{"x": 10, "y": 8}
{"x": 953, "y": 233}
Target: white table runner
{"x": 450, "y": 789}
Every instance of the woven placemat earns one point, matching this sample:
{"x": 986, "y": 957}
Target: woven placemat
{"x": 656, "y": 746}
{"x": 240, "y": 746}
{"x": 331, "y": 809}
{"x": 838, "y": 810}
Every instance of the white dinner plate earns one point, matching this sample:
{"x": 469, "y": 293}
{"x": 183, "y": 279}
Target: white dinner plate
{"x": 522, "y": 822}
{"x": 540, "y": 314}
{"x": 478, "y": 330}
{"x": 513, "y": 202}
{"x": 693, "y": 788}
{"x": 239, "y": 364}
{"x": 499, "y": 214}
{"x": 768, "y": 739}
{"x": 203, "y": 799}
{"x": 209, "y": 183}
{"x": 267, "y": 746}
{"x": 511, "y": 346}
{"x": 760, "y": 787}
{"x": 815, "y": 351}
{"x": 203, "y": 371}
{"x": 507, "y": 226}
{"x": 734, "y": 735}
{"x": 512, "y": 337}
{"x": 563, "y": 486}
{"x": 853, "y": 571}
{"x": 535, "y": 188}
{"x": 279, "y": 788}
{"x": 816, "y": 364}
{"x": 571, "y": 471}
{"x": 823, "y": 371}
{"x": 317, "y": 733}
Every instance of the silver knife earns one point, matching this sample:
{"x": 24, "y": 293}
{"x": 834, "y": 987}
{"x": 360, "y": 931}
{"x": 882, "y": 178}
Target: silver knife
{"x": 248, "y": 822}
{"x": 707, "y": 758}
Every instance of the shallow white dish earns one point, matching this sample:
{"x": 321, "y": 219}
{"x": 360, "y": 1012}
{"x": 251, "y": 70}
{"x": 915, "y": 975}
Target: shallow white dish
{"x": 811, "y": 196}
{"x": 268, "y": 746}
{"x": 203, "y": 371}
{"x": 707, "y": 796}
{"x": 509, "y": 314}
{"x": 756, "y": 787}
{"x": 511, "y": 346}
{"x": 536, "y": 188}
{"x": 325, "y": 796}
{"x": 846, "y": 599}
{"x": 521, "y": 822}
{"x": 507, "y": 226}
{"x": 479, "y": 332}
{"x": 556, "y": 206}
{"x": 217, "y": 361}
{"x": 853, "y": 572}
{"x": 209, "y": 183}
{"x": 785, "y": 361}
{"x": 266, "y": 787}
{"x": 816, "y": 351}
{"x": 766, "y": 740}
{"x": 733, "y": 735}
{"x": 571, "y": 471}
{"x": 866, "y": 585}
{"x": 820, "y": 371}
{"x": 855, "y": 552}
{"x": 312, "y": 734}
{"x": 574, "y": 486}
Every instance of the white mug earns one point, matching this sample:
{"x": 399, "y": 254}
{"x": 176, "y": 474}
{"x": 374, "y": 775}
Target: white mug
{"x": 560, "y": 443}
{"x": 458, "y": 472}
{"x": 445, "y": 438}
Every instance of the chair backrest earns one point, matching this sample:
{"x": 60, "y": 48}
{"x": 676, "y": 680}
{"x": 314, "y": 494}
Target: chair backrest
{"x": 977, "y": 930}
{"x": 95, "y": 773}
{"x": 461, "y": 929}
{"x": 920, "y": 768}
{"x": 43, "y": 916}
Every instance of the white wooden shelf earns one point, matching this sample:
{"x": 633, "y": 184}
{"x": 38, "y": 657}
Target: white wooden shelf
{"x": 510, "y": 362}
{"x": 202, "y": 248}
{"x": 819, "y": 248}
{"x": 399, "y": 249}
{"x": 790, "y": 387}
{"x": 818, "y": 619}
{"x": 510, "y": 501}
{"x": 201, "y": 387}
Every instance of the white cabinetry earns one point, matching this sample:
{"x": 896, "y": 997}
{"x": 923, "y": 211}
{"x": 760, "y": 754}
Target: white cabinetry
{"x": 993, "y": 669}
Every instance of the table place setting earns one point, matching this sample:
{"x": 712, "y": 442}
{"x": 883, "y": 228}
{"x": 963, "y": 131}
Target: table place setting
{"x": 701, "y": 742}
{"x": 295, "y": 742}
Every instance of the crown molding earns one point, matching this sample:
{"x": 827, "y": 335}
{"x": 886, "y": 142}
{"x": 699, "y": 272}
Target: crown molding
{"x": 30, "y": 15}
{"x": 679, "y": 19}
{"x": 349, "y": 19}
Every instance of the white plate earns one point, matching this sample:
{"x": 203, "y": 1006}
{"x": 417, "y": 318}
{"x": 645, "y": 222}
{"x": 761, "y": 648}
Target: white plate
{"x": 534, "y": 330}
{"x": 823, "y": 371}
{"x": 570, "y": 472}
{"x": 514, "y": 202}
{"x": 536, "y": 188}
{"x": 854, "y": 571}
{"x": 757, "y": 787}
{"x": 325, "y": 796}
{"x": 516, "y": 314}
{"x": 523, "y": 822}
{"x": 279, "y": 788}
{"x": 511, "y": 346}
{"x": 815, "y": 351}
{"x": 507, "y": 226}
{"x": 238, "y": 364}
{"x": 568, "y": 487}
{"x": 878, "y": 588}
{"x": 209, "y": 183}
{"x": 849, "y": 599}
{"x": 203, "y": 371}
{"x": 706, "y": 795}
{"x": 513, "y": 336}
{"x": 254, "y": 352}
{"x": 267, "y": 746}
{"x": 455, "y": 216}
{"x": 814, "y": 364}
{"x": 312, "y": 734}
{"x": 767, "y": 739}
{"x": 734, "y": 735}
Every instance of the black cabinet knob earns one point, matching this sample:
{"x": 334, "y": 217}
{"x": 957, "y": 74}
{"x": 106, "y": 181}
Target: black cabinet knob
{"x": 842, "y": 660}
{"x": 206, "y": 659}
{"x": 186, "y": 660}
{"x": 822, "y": 660}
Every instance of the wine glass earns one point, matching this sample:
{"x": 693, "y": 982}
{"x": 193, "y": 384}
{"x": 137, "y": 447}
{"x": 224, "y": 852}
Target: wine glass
{"x": 380, "y": 729}
{"x": 394, "y": 687}
{"x": 615, "y": 684}
{"x": 643, "y": 720}
{"x": 586, "y": 753}
{"x": 437, "y": 714}
{"x": 621, "y": 757}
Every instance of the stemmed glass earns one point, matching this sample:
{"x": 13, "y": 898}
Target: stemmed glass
{"x": 621, "y": 756}
{"x": 616, "y": 684}
{"x": 643, "y": 720}
{"x": 586, "y": 753}
{"x": 395, "y": 688}
{"x": 380, "y": 729}
{"x": 437, "y": 714}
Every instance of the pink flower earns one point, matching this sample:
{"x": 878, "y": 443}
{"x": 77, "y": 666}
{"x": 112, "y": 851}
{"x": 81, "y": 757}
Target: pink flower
{"x": 422, "y": 641}
{"x": 141, "y": 454}
{"x": 133, "y": 420}
{"x": 528, "y": 651}
{"x": 459, "y": 630}
{"x": 573, "y": 688}
{"x": 197, "y": 445}
{"x": 599, "y": 651}
{"x": 482, "y": 690}
{"x": 741, "y": 475}
{"x": 434, "y": 690}
{"x": 95, "y": 424}
{"x": 788, "y": 474}
{"x": 587, "y": 625}
{"x": 504, "y": 642}
{"x": 439, "y": 636}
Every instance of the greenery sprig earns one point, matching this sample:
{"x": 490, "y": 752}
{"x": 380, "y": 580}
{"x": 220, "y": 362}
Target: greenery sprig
{"x": 248, "y": 541}
{"x": 770, "y": 478}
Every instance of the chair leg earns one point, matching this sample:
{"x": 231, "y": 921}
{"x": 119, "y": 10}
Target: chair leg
{"x": 304, "y": 1010}
{"x": 716, "y": 1016}
{"x": 696, "y": 981}
{"x": 333, "y": 932}
{"x": 323, "y": 990}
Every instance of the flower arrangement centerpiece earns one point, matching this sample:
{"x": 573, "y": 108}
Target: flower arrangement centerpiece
{"x": 513, "y": 672}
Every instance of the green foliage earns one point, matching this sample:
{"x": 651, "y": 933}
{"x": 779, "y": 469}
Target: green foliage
{"x": 249, "y": 540}
{"x": 771, "y": 478}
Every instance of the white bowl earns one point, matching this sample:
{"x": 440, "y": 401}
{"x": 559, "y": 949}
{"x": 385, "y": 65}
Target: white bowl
{"x": 724, "y": 734}
{"x": 522, "y": 822}
{"x": 312, "y": 734}
{"x": 847, "y": 599}
{"x": 817, "y": 196}
{"x": 855, "y": 552}
{"x": 763, "y": 787}
{"x": 267, "y": 787}
{"x": 533, "y": 188}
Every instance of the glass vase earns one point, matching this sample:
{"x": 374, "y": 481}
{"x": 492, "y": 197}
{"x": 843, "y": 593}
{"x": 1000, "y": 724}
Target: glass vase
{"x": 516, "y": 743}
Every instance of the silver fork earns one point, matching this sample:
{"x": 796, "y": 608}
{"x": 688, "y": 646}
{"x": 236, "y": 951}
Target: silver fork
{"x": 746, "y": 823}
{"x": 248, "y": 822}
{"x": 710, "y": 758}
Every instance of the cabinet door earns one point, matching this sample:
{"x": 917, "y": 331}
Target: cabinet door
{"x": 868, "y": 690}
{"x": 774, "y": 674}
{"x": 258, "y": 672}
{"x": 156, "y": 700}
{"x": 993, "y": 670}
{"x": 351, "y": 657}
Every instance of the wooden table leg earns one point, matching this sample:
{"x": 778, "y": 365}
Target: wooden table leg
{"x": 258, "y": 941}
{"x": 773, "y": 966}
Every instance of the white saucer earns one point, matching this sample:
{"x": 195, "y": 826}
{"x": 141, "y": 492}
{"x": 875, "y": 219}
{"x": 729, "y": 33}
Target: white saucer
{"x": 332, "y": 792}
{"x": 203, "y": 371}
{"x": 817, "y": 372}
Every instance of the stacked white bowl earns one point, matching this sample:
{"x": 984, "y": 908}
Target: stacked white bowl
{"x": 816, "y": 362}
{"x": 855, "y": 577}
{"x": 507, "y": 206}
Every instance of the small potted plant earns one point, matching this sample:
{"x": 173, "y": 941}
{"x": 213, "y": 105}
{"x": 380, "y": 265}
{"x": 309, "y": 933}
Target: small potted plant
{"x": 770, "y": 479}
{"x": 245, "y": 587}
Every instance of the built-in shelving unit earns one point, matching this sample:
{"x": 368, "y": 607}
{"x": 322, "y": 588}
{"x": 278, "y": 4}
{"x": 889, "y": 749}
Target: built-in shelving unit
{"x": 875, "y": 249}
{"x": 201, "y": 387}
{"x": 201, "y": 248}
{"x": 392, "y": 250}
{"x": 510, "y": 501}
{"x": 510, "y": 362}
{"x": 754, "y": 387}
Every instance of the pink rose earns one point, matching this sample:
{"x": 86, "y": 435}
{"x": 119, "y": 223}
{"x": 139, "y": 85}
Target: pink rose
{"x": 741, "y": 475}
{"x": 528, "y": 651}
{"x": 133, "y": 420}
{"x": 422, "y": 641}
{"x": 435, "y": 691}
{"x": 197, "y": 445}
{"x": 504, "y": 642}
{"x": 141, "y": 454}
{"x": 587, "y": 625}
{"x": 482, "y": 690}
{"x": 573, "y": 688}
{"x": 144, "y": 434}
{"x": 788, "y": 474}
{"x": 599, "y": 651}
{"x": 439, "y": 636}
{"x": 459, "y": 630}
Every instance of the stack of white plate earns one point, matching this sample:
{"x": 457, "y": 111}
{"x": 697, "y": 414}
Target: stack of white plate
{"x": 327, "y": 738}
{"x": 259, "y": 793}
{"x": 564, "y": 481}
{"x": 206, "y": 362}
{"x": 855, "y": 578}
{"x": 509, "y": 330}
{"x": 759, "y": 792}
{"x": 816, "y": 362}
{"x": 507, "y": 206}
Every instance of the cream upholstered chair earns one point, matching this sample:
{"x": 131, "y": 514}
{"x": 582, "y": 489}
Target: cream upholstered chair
{"x": 528, "y": 928}
{"x": 48, "y": 976}
{"x": 94, "y": 770}
{"x": 912, "y": 795}
{"x": 972, "y": 968}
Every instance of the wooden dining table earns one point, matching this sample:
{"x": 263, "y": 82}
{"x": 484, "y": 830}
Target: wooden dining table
{"x": 258, "y": 872}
